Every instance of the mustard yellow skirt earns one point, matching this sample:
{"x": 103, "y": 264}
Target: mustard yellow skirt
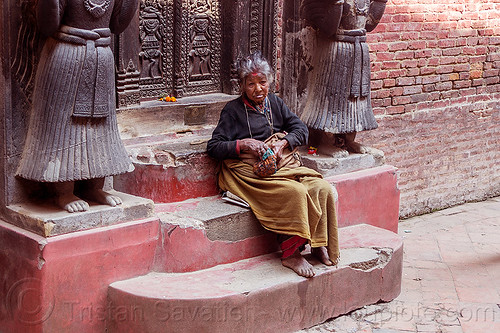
{"x": 294, "y": 201}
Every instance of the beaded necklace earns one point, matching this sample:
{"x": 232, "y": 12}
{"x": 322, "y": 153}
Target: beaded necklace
{"x": 265, "y": 109}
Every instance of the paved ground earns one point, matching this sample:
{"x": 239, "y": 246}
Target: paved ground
{"x": 451, "y": 277}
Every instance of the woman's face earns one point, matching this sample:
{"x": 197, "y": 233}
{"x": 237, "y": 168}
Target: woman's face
{"x": 256, "y": 87}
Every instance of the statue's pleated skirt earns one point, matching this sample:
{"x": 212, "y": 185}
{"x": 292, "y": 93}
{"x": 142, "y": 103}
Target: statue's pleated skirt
{"x": 60, "y": 147}
{"x": 330, "y": 106}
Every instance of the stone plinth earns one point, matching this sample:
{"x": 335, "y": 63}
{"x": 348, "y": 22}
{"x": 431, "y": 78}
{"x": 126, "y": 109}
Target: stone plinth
{"x": 331, "y": 166}
{"x": 49, "y": 220}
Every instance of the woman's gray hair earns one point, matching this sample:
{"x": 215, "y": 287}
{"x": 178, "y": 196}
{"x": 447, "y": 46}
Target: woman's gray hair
{"x": 254, "y": 63}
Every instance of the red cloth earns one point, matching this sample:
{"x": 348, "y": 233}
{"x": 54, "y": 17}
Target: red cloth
{"x": 291, "y": 245}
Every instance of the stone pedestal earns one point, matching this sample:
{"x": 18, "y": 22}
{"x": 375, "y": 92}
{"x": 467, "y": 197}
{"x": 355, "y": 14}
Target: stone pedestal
{"x": 49, "y": 220}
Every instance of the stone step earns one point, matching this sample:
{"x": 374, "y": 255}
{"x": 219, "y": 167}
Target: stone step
{"x": 204, "y": 232}
{"x": 172, "y": 167}
{"x": 153, "y": 118}
{"x": 259, "y": 294}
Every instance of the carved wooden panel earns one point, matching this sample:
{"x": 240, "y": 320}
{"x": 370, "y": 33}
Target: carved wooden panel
{"x": 156, "y": 31}
{"x": 183, "y": 47}
{"x": 198, "y": 47}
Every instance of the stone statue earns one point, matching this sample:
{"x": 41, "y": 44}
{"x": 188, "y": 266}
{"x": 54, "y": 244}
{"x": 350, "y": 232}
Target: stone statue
{"x": 73, "y": 141}
{"x": 338, "y": 103}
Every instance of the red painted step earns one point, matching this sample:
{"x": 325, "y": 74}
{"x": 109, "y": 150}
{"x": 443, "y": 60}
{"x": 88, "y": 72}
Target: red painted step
{"x": 259, "y": 294}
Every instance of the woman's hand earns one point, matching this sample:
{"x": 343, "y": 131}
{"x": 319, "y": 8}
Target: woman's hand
{"x": 255, "y": 147}
{"x": 278, "y": 148}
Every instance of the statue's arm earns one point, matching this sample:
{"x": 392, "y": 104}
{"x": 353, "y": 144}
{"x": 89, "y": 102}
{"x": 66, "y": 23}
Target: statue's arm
{"x": 49, "y": 14}
{"x": 324, "y": 15}
{"x": 377, "y": 8}
{"x": 123, "y": 13}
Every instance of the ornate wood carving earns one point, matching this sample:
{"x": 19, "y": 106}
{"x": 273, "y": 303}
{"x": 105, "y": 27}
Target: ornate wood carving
{"x": 156, "y": 23}
{"x": 199, "y": 47}
{"x": 179, "y": 46}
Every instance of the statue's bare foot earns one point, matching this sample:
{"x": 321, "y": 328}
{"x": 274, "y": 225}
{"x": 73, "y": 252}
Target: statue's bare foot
{"x": 299, "y": 265}
{"x": 322, "y": 255}
{"x": 333, "y": 151}
{"x": 102, "y": 197}
{"x": 356, "y": 148}
{"x": 72, "y": 203}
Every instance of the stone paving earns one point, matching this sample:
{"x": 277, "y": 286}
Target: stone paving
{"x": 451, "y": 277}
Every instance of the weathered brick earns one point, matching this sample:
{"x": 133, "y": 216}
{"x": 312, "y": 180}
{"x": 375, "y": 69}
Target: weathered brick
{"x": 447, "y": 60}
{"x": 401, "y": 18}
{"x": 491, "y": 72}
{"x": 464, "y": 76}
{"x": 423, "y": 53}
{"x": 443, "y": 43}
{"x": 461, "y": 67}
{"x": 413, "y": 71}
{"x": 411, "y": 90}
{"x": 429, "y": 87}
{"x": 418, "y": 98}
{"x": 379, "y": 74}
{"x": 409, "y": 63}
{"x": 384, "y": 56}
{"x": 444, "y": 69}
{"x": 430, "y": 79}
{"x": 376, "y": 84}
{"x": 405, "y": 81}
{"x": 398, "y": 46}
{"x": 396, "y": 91}
{"x": 452, "y": 51}
{"x": 417, "y": 44}
{"x": 400, "y": 55}
{"x": 391, "y": 64}
{"x": 395, "y": 73}
{"x": 399, "y": 100}
{"x": 433, "y": 61}
{"x": 444, "y": 85}
{"x": 461, "y": 84}
{"x": 492, "y": 80}
{"x": 395, "y": 109}
{"x": 476, "y": 74}
{"x": 477, "y": 82}
{"x": 389, "y": 83}
{"x": 427, "y": 70}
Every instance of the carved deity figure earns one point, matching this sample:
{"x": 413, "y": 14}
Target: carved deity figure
{"x": 150, "y": 35}
{"x": 199, "y": 56}
{"x": 338, "y": 101}
{"x": 73, "y": 141}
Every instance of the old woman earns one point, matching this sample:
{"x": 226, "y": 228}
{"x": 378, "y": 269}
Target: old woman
{"x": 295, "y": 203}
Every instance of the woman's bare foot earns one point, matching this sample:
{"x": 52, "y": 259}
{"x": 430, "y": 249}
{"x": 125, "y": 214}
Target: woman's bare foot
{"x": 102, "y": 197}
{"x": 299, "y": 265}
{"x": 72, "y": 203}
{"x": 322, "y": 255}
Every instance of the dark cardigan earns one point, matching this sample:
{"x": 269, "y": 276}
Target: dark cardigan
{"x": 234, "y": 125}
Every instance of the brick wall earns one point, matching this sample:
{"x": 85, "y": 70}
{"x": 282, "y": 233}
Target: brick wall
{"x": 436, "y": 96}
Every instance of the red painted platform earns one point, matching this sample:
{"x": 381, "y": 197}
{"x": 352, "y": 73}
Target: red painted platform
{"x": 259, "y": 294}
{"x": 368, "y": 196}
{"x": 60, "y": 283}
